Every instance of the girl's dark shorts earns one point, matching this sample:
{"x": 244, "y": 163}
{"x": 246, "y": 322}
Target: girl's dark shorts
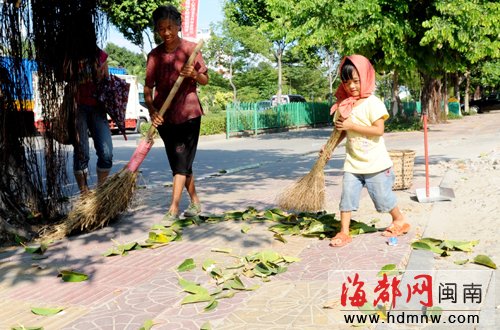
{"x": 181, "y": 142}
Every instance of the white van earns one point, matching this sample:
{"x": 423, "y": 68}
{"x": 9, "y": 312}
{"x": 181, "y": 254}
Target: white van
{"x": 287, "y": 98}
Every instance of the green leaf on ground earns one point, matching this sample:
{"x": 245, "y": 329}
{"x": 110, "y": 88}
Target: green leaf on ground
{"x": 289, "y": 259}
{"x": 274, "y": 215}
{"x": 147, "y": 325}
{"x": 212, "y": 305}
{"x": 196, "y": 298}
{"x": 186, "y": 265}
{"x": 433, "y": 310}
{"x": 265, "y": 256}
{"x": 367, "y": 309}
{"x": 461, "y": 262}
{"x": 389, "y": 270}
{"x": 465, "y": 246}
{"x": 483, "y": 260}
{"x": 233, "y": 215}
{"x": 185, "y": 283}
{"x": 221, "y": 250}
{"x": 358, "y": 228}
{"x": 207, "y": 264}
{"x": 122, "y": 249}
{"x": 206, "y": 326}
{"x": 424, "y": 245}
{"x": 158, "y": 238}
{"x": 45, "y": 311}
{"x": 159, "y": 227}
{"x": 26, "y": 328}
{"x": 36, "y": 249}
{"x": 71, "y": 276}
{"x": 279, "y": 237}
{"x": 245, "y": 229}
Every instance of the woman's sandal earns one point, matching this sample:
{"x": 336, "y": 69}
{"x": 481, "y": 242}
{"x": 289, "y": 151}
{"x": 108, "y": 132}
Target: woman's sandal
{"x": 396, "y": 230}
{"x": 342, "y": 238}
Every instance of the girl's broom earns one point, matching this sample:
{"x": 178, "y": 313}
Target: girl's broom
{"x": 98, "y": 207}
{"x": 308, "y": 193}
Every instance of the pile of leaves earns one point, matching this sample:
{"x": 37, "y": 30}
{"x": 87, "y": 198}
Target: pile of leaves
{"x": 444, "y": 247}
{"x": 227, "y": 278}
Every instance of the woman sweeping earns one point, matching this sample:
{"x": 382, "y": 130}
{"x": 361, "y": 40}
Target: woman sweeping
{"x": 180, "y": 127}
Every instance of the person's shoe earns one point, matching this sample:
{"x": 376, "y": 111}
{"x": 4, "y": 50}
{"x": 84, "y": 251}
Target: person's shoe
{"x": 193, "y": 210}
{"x": 171, "y": 216}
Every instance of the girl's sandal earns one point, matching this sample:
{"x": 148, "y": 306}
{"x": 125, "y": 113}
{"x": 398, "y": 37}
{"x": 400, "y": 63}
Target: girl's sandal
{"x": 342, "y": 239}
{"x": 396, "y": 230}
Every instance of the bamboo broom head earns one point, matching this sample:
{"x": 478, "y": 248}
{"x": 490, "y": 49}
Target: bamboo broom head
{"x": 308, "y": 193}
{"x": 100, "y": 206}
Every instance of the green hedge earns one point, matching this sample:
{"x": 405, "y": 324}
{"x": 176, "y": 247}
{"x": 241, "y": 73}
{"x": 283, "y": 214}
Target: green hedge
{"x": 213, "y": 123}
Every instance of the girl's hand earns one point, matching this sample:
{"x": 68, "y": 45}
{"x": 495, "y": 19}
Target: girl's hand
{"x": 156, "y": 119}
{"x": 189, "y": 71}
{"x": 344, "y": 124}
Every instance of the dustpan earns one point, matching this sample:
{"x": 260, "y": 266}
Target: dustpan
{"x": 431, "y": 194}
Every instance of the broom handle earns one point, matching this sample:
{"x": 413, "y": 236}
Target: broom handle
{"x": 174, "y": 89}
{"x": 328, "y": 150}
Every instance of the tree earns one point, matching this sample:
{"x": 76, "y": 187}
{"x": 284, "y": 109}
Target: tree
{"x": 400, "y": 35}
{"x": 124, "y": 58}
{"x": 468, "y": 31}
{"x": 133, "y": 18}
{"x": 224, "y": 52}
{"x": 269, "y": 29}
{"x": 257, "y": 82}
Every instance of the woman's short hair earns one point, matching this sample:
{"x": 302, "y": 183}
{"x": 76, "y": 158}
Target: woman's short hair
{"x": 347, "y": 69}
{"x": 169, "y": 12}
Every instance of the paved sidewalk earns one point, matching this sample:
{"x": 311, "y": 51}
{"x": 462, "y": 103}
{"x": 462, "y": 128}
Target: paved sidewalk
{"x": 124, "y": 291}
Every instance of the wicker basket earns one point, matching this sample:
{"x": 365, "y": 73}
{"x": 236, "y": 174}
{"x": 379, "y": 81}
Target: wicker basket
{"x": 403, "y": 161}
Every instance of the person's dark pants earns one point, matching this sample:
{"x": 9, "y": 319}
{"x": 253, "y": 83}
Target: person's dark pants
{"x": 181, "y": 142}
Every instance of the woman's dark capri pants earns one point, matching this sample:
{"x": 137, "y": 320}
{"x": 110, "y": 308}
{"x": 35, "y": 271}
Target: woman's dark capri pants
{"x": 181, "y": 142}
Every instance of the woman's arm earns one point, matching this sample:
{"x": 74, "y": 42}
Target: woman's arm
{"x": 156, "y": 119}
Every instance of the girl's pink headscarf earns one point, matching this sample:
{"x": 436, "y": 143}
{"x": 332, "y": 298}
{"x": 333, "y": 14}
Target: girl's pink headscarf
{"x": 367, "y": 80}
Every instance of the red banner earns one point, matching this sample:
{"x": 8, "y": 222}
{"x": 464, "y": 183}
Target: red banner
{"x": 189, "y": 19}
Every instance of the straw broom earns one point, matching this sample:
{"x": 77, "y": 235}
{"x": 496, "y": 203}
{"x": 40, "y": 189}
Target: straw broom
{"x": 96, "y": 208}
{"x": 308, "y": 193}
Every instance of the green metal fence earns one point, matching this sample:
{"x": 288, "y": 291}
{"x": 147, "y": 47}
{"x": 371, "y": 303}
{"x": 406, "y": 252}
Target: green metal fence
{"x": 244, "y": 117}
{"x": 409, "y": 108}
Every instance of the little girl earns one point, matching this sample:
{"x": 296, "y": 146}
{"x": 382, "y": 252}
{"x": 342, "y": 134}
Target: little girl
{"x": 360, "y": 117}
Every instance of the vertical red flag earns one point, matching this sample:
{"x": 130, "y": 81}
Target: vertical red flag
{"x": 189, "y": 19}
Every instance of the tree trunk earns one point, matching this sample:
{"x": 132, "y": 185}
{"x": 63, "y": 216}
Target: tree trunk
{"x": 466, "y": 95}
{"x": 280, "y": 74}
{"x": 395, "y": 100}
{"x": 445, "y": 94}
{"x": 235, "y": 98}
{"x": 431, "y": 99}
{"x": 456, "y": 87}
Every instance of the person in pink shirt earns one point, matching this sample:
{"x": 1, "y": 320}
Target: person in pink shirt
{"x": 179, "y": 128}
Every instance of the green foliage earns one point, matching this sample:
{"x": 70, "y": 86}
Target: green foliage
{"x": 135, "y": 64}
{"x": 259, "y": 83}
{"x": 213, "y": 124}
{"x": 488, "y": 74}
{"x": 216, "y": 94}
{"x": 453, "y": 116}
{"x": 469, "y": 27}
{"x": 401, "y": 123}
{"x": 133, "y": 17}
